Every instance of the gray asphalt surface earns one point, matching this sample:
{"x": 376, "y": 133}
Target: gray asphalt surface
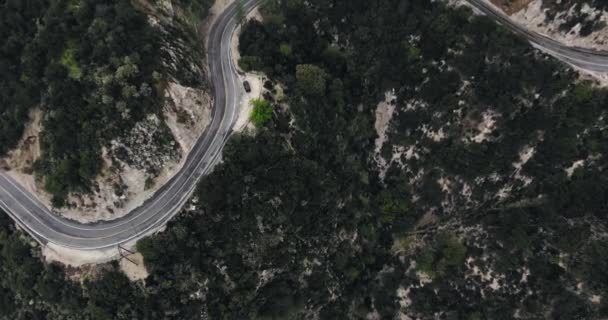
{"x": 583, "y": 58}
{"x": 45, "y": 226}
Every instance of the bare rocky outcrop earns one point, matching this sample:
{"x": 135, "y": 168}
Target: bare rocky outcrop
{"x": 187, "y": 113}
{"x": 149, "y": 146}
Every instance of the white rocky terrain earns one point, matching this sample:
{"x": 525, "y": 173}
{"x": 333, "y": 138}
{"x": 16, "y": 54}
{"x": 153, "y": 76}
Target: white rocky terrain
{"x": 576, "y": 23}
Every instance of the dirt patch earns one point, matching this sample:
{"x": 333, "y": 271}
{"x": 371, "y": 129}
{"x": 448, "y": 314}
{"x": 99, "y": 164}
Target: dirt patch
{"x": 87, "y": 271}
{"x": 187, "y": 114}
{"x": 28, "y": 148}
{"x": 78, "y": 258}
{"x": 134, "y": 267}
{"x": 90, "y": 265}
{"x": 511, "y": 6}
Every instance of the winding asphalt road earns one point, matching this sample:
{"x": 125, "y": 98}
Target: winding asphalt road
{"x": 45, "y": 226}
{"x": 583, "y": 58}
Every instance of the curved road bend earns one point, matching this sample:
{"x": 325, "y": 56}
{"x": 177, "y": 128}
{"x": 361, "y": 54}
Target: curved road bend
{"x": 45, "y": 226}
{"x": 586, "y": 59}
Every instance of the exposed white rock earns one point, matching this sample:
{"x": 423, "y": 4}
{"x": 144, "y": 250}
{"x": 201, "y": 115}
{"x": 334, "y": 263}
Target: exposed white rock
{"x": 534, "y": 17}
{"x": 575, "y": 165}
{"x": 189, "y": 104}
{"x": 384, "y": 114}
{"x": 486, "y": 126}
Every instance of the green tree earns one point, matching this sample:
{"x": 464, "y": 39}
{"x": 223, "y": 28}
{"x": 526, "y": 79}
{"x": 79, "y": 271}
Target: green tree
{"x": 453, "y": 251}
{"x": 311, "y": 80}
{"x": 285, "y": 49}
{"x": 261, "y": 113}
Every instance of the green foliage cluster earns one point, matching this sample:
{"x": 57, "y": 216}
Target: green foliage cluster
{"x": 296, "y": 220}
{"x": 95, "y": 68}
{"x": 72, "y": 61}
{"x": 311, "y": 80}
{"x": 19, "y": 67}
{"x": 447, "y": 254}
{"x": 30, "y": 289}
{"x": 285, "y": 49}
{"x": 427, "y": 59}
{"x": 261, "y": 113}
{"x": 249, "y": 63}
{"x": 97, "y": 87}
{"x": 69, "y": 62}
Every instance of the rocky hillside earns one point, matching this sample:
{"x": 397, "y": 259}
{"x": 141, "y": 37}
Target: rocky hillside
{"x": 577, "y": 22}
{"x": 144, "y": 108}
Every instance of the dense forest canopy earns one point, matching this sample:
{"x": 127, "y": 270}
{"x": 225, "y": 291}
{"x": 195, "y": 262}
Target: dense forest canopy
{"x": 89, "y": 66}
{"x": 95, "y": 68}
{"x": 302, "y": 220}
{"x": 18, "y": 66}
{"x": 99, "y": 80}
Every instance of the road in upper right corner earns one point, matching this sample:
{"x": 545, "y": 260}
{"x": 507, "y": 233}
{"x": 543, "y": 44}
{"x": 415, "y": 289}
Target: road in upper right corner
{"x": 583, "y": 58}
